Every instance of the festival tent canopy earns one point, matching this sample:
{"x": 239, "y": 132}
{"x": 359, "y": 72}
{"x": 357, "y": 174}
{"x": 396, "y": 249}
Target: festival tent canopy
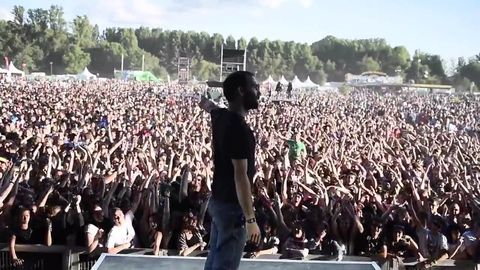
{"x": 136, "y": 75}
{"x": 283, "y": 80}
{"x": 194, "y": 80}
{"x": 296, "y": 83}
{"x": 86, "y": 75}
{"x": 13, "y": 70}
{"x": 309, "y": 84}
{"x": 145, "y": 76}
{"x": 269, "y": 81}
{"x": 3, "y": 71}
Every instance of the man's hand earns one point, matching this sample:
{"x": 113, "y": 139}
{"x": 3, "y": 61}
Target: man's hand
{"x": 253, "y": 233}
{"x": 99, "y": 234}
{"x": 277, "y": 201}
{"x": 17, "y": 262}
{"x": 206, "y": 104}
{"x": 79, "y": 199}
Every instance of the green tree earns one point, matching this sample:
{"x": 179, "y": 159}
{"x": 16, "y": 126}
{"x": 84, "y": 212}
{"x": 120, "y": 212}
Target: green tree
{"x": 435, "y": 66}
{"x": 252, "y": 55}
{"x": 32, "y": 56}
{"x": 83, "y": 32}
{"x": 205, "y": 70}
{"x": 230, "y": 43}
{"x": 38, "y": 22}
{"x": 462, "y": 84}
{"x": 397, "y": 61}
{"x": 106, "y": 57}
{"x": 461, "y": 62}
{"x": 318, "y": 76}
{"x": 56, "y": 34}
{"x": 368, "y": 64}
{"x": 471, "y": 71}
{"x": 14, "y": 39}
{"x": 161, "y": 72}
{"x": 128, "y": 39}
{"x": 56, "y": 19}
{"x": 242, "y": 43}
{"x": 418, "y": 70}
{"x": 75, "y": 59}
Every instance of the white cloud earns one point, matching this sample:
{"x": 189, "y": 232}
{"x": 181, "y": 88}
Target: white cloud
{"x": 5, "y": 14}
{"x": 129, "y": 12}
{"x": 306, "y": 3}
{"x": 272, "y": 3}
{"x": 154, "y": 13}
{"x": 256, "y": 13}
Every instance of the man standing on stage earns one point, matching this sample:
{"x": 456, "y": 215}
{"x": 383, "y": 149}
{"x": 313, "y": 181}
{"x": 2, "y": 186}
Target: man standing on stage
{"x": 231, "y": 207}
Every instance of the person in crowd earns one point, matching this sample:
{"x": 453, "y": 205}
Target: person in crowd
{"x": 23, "y": 233}
{"x": 437, "y": 244}
{"x": 190, "y": 238}
{"x": 472, "y": 241}
{"x": 320, "y": 243}
{"x": 296, "y": 245}
{"x": 297, "y": 149}
{"x": 372, "y": 242}
{"x": 456, "y": 246}
{"x": 96, "y": 229}
{"x": 402, "y": 246}
{"x": 122, "y": 234}
{"x": 269, "y": 243}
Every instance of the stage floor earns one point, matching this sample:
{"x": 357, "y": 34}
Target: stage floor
{"x": 128, "y": 262}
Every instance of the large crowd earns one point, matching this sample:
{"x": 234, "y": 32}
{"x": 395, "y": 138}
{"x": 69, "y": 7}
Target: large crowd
{"x": 117, "y": 165}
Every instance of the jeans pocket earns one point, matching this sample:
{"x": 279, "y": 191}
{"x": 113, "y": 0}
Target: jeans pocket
{"x": 239, "y": 221}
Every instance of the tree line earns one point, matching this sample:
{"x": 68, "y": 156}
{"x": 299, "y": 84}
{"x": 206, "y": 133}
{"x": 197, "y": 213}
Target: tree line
{"x": 34, "y": 38}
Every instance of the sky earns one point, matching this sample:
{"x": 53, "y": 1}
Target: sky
{"x": 450, "y": 28}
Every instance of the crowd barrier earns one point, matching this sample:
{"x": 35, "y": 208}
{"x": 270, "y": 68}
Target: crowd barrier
{"x": 38, "y": 257}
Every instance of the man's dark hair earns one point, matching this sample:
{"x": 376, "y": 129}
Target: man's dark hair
{"x": 235, "y": 80}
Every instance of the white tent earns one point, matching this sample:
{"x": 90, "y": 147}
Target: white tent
{"x": 194, "y": 80}
{"x": 86, "y": 75}
{"x": 296, "y": 83}
{"x": 269, "y": 81}
{"x": 309, "y": 84}
{"x": 13, "y": 70}
{"x": 3, "y": 71}
{"x": 283, "y": 80}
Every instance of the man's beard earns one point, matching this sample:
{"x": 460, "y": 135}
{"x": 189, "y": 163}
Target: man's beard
{"x": 250, "y": 103}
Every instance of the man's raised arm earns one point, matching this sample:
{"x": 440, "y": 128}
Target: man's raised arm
{"x": 207, "y": 105}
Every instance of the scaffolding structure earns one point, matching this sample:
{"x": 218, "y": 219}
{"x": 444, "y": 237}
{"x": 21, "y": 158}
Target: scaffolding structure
{"x": 232, "y": 60}
{"x": 183, "y": 70}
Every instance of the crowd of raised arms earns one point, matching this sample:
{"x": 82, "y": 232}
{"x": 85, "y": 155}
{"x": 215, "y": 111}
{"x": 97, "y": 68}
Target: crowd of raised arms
{"x": 113, "y": 165}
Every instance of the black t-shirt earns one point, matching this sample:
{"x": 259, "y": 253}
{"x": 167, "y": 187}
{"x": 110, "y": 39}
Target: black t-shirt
{"x": 367, "y": 245}
{"x": 401, "y": 248}
{"x": 409, "y": 230}
{"x": 59, "y": 234}
{"x": 232, "y": 139}
{"x": 324, "y": 247}
{"x": 27, "y": 237}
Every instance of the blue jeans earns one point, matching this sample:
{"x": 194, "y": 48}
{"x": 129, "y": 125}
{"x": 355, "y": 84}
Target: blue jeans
{"x": 227, "y": 236}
